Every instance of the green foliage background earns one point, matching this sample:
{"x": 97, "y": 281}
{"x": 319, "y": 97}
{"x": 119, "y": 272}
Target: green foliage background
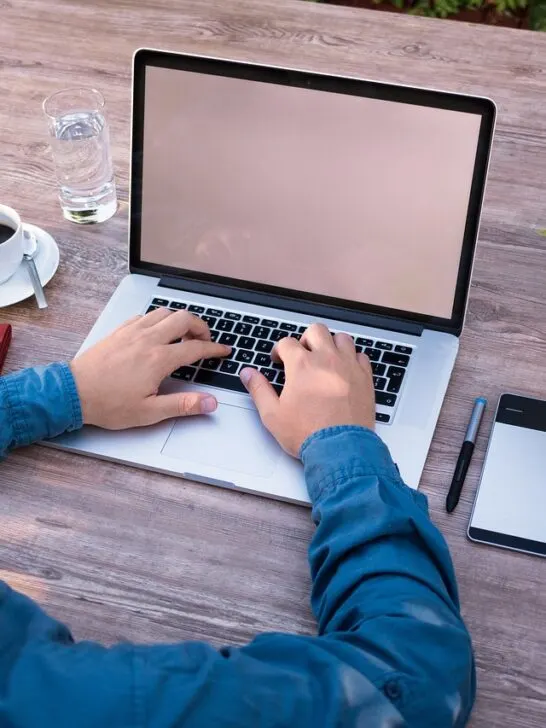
{"x": 445, "y": 8}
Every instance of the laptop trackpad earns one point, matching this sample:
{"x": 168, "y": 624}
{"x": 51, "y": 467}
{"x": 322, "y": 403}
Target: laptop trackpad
{"x": 232, "y": 438}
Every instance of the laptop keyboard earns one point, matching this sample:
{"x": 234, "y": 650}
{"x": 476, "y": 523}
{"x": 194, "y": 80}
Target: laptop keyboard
{"x": 253, "y": 338}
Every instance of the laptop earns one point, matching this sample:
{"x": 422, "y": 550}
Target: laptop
{"x": 264, "y": 199}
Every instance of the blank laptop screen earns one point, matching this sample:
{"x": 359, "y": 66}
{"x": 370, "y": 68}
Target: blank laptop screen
{"x": 332, "y": 194}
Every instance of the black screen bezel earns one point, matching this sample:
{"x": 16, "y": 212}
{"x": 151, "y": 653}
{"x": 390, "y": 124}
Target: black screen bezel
{"x": 529, "y": 413}
{"x": 304, "y": 79}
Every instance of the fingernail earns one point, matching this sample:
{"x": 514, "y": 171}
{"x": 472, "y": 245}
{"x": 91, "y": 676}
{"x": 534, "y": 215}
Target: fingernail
{"x": 246, "y": 375}
{"x": 208, "y": 405}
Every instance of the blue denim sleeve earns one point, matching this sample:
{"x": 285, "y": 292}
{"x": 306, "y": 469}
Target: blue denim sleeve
{"x": 391, "y": 648}
{"x": 37, "y": 404}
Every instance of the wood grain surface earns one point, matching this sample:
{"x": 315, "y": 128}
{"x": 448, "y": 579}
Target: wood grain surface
{"x": 123, "y": 554}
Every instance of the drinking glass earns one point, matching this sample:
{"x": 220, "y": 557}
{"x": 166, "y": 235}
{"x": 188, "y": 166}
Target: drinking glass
{"x": 80, "y": 143}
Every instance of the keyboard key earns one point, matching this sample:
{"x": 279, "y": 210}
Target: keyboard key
{"x": 277, "y": 388}
{"x": 270, "y": 323}
{"x": 269, "y": 374}
{"x": 177, "y": 305}
{"x": 359, "y": 349}
{"x": 262, "y": 360}
{"x": 230, "y": 367}
{"x": 227, "y": 339}
{"x": 302, "y": 329}
{"x": 261, "y": 332}
{"x": 379, "y": 383}
{"x": 281, "y": 378}
{"x": 214, "y": 335}
{"x": 394, "y": 386}
{"x": 219, "y": 379}
{"x": 245, "y": 342}
{"x": 277, "y": 365}
{"x": 277, "y": 335}
{"x": 389, "y": 400}
{"x": 210, "y": 363}
{"x": 152, "y": 308}
{"x": 210, "y": 320}
{"x": 373, "y": 354}
{"x": 396, "y": 373}
{"x": 363, "y": 342}
{"x": 251, "y": 319}
{"x": 403, "y": 349}
{"x": 232, "y": 316}
{"x": 264, "y": 346}
{"x": 214, "y": 312}
{"x": 288, "y": 327}
{"x": 160, "y": 302}
{"x": 244, "y": 356}
{"x": 185, "y": 373}
{"x": 399, "y": 360}
{"x": 196, "y": 309}
{"x": 378, "y": 369}
{"x": 381, "y": 417}
{"x": 383, "y": 345}
{"x": 242, "y": 329}
{"x": 296, "y": 336}
{"x": 225, "y": 325}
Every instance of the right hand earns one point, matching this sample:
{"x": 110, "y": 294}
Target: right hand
{"x": 327, "y": 384}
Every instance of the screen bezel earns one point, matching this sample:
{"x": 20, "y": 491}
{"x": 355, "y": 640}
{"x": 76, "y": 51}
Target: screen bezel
{"x": 524, "y": 412}
{"x": 333, "y": 84}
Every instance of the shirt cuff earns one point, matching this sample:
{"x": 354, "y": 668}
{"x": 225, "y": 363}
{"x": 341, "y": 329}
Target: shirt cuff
{"x": 41, "y": 403}
{"x": 333, "y": 454}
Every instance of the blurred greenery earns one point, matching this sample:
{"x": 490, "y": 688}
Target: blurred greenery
{"x": 445, "y": 8}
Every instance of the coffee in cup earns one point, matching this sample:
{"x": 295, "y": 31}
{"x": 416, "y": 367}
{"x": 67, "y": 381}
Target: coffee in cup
{"x": 5, "y": 233}
{"x": 11, "y": 242}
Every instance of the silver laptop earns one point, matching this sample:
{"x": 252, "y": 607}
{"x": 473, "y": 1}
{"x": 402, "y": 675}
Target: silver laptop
{"x": 264, "y": 199}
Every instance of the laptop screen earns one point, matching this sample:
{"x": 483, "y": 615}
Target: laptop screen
{"x": 349, "y": 197}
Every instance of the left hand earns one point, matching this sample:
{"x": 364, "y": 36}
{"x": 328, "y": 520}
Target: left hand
{"x": 118, "y": 379}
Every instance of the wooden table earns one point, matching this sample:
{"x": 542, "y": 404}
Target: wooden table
{"x": 123, "y": 554}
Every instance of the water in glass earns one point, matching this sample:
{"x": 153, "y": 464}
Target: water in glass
{"x": 81, "y": 150}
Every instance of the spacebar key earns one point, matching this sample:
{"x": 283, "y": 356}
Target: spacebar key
{"x": 217, "y": 379}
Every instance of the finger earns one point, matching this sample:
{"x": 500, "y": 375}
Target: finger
{"x": 317, "y": 336}
{"x": 152, "y": 318}
{"x": 180, "y": 324}
{"x": 182, "y": 404}
{"x": 190, "y": 351}
{"x": 364, "y": 362}
{"x": 264, "y": 396}
{"x": 345, "y": 345}
{"x": 129, "y": 322}
{"x": 285, "y": 350}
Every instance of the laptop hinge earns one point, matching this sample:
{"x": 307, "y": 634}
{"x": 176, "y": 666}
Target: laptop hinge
{"x": 287, "y": 303}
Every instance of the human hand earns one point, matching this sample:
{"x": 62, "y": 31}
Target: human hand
{"x": 118, "y": 378}
{"x": 327, "y": 384}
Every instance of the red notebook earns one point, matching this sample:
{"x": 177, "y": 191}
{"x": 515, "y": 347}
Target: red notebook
{"x": 5, "y": 338}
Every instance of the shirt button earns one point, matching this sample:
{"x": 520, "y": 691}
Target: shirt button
{"x": 392, "y": 690}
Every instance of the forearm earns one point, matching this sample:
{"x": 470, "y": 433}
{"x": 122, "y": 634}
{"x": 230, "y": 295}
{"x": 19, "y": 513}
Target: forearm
{"x": 383, "y": 580}
{"x": 37, "y": 404}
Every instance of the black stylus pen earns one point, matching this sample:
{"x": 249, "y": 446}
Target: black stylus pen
{"x": 465, "y": 456}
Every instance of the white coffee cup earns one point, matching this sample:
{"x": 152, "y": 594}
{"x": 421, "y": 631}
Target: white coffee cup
{"x": 11, "y": 251}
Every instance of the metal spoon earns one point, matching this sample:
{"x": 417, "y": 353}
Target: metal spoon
{"x": 28, "y": 257}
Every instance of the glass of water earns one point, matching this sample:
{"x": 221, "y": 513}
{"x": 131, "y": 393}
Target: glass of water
{"x": 80, "y": 143}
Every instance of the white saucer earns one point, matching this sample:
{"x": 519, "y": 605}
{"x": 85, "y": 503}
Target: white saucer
{"x": 19, "y": 287}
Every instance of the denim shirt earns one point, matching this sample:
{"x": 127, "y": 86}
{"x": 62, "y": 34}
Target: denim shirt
{"x": 391, "y": 648}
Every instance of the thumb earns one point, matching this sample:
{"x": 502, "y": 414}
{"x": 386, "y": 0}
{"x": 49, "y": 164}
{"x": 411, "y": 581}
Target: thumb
{"x": 183, "y": 404}
{"x": 264, "y": 396}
